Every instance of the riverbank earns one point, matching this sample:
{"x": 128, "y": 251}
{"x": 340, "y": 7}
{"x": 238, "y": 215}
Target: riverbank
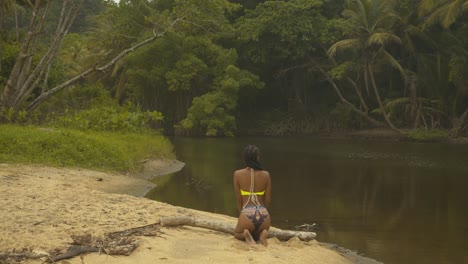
{"x": 43, "y": 207}
{"x": 407, "y": 135}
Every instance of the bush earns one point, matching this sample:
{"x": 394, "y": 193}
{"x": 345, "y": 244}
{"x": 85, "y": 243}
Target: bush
{"x": 127, "y": 118}
{"x": 91, "y": 108}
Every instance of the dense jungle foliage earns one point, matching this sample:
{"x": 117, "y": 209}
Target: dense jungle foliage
{"x": 221, "y": 68}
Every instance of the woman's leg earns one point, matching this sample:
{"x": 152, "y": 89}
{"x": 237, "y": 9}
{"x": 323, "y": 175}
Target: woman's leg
{"x": 263, "y": 237}
{"x": 243, "y": 229}
{"x": 262, "y": 232}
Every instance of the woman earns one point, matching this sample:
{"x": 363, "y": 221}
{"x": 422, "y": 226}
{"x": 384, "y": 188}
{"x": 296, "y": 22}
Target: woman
{"x": 252, "y": 186}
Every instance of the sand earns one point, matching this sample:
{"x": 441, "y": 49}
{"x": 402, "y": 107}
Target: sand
{"x": 41, "y": 207}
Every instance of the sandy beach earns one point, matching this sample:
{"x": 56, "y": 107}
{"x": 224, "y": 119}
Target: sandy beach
{"x": 42, "y": 207}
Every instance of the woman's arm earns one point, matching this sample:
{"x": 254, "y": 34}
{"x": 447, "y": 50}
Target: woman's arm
{"x": 268, "y": 191}
{"x": 237, "y": 192}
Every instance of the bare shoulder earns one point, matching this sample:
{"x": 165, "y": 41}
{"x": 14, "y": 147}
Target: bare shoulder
{"x": 237, "y": 173}
{"x": 266, "y": 174}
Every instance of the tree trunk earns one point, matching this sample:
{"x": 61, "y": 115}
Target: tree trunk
{"x": 343, "y": 99}
{"x": 67, "y": 16}
{"x": 379, "y": 101}
{"x": 359, "y": 94}
{"x": 227, "y": 228}
{"x": 6, "y": 99}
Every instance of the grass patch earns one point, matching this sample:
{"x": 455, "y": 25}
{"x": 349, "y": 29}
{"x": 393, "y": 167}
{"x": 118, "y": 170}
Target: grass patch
{"x": 424, "y": 135}
{"x": 114, "y": 151}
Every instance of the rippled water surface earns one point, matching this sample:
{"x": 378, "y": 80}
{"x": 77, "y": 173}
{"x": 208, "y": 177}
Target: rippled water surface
{"x": 397, "y": 202}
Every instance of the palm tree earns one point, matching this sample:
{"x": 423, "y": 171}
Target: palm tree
{"x": 369, "y": 25}
{"x": 453, "y": 42}
{"x": 443, "y": 12}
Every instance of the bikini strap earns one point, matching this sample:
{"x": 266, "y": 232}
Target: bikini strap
{"x": 252, "y": 194}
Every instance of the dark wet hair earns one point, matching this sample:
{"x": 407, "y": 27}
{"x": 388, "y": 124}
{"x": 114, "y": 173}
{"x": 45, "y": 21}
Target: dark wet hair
{"x": 251, "y": 154}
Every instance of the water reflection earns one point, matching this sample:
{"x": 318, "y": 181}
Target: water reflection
{"x": 396, "y": 202}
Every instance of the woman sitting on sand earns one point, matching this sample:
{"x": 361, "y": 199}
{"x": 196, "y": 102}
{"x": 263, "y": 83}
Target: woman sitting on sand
{"x": 252, "y": 186}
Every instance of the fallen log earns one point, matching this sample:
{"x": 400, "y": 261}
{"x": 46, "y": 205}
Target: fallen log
{"x": 227, "y": 228}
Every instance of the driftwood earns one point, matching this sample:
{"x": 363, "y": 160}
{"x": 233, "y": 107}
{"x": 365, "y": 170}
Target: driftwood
{"x": 13, "y": 257}
{"x": 115, "y": 243}
{"x": 226, "y": 228}
{"x": 307, "y": 227}
{"x": 72, "y": 251}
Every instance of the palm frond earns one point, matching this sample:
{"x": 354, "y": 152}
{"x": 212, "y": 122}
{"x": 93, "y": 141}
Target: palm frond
{"x": 382, "y": 38}
{"x": 397, "y": 102}
{"x": 345, "y": 44}
{"x": 452, "y": 12}
{"x": 427, "y": 6}
{"x": 381, "y": 14}
{"x": 416, "y": 31}
{"x": 431, "y": 20}
{"x": 393, "y": 62}
{"x": 443, "y": 12}
{"x": 433, "y": 110}
{"x": 356, "y": 13}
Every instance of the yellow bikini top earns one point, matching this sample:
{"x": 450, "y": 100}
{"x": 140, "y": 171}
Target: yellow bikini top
{"x": 249, "y": 193}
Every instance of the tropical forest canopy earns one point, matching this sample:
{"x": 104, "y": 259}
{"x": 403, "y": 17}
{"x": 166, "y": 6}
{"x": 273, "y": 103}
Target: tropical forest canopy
{"x": 221, "y": 68}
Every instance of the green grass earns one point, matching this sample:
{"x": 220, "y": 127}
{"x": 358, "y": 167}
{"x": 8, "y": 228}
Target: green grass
{"x": 431, "y": 135}
{"x": 110, "y": 151}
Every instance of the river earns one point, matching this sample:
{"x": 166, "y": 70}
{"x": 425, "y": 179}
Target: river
{"x": 397, "y": 202}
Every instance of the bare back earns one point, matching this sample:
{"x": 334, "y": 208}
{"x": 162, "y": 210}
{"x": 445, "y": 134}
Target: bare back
{"x": 262, "y": 182}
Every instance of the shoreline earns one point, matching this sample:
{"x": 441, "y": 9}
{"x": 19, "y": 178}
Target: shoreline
{"x": 43, "y": 207}
{"x": 379, "y": 134}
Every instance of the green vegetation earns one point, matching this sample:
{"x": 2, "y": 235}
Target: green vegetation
{"x": 427, "y": 135}
{"x": 225, "y": 67}
{"x": 72, "y": 148}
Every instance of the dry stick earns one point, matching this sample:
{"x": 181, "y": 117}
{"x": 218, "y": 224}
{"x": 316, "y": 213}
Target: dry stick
{"x": 227, "y": 228}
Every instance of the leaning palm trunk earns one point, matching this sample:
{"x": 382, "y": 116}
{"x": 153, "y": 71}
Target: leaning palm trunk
{"x": 359, "y": 94}
{"x": 379, "y": 100}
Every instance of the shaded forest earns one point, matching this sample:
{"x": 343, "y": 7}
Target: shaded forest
{"x": 225, "y": 68}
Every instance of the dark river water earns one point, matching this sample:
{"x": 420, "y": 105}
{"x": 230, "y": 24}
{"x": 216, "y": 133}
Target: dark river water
{"x": 397, "y": 202}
